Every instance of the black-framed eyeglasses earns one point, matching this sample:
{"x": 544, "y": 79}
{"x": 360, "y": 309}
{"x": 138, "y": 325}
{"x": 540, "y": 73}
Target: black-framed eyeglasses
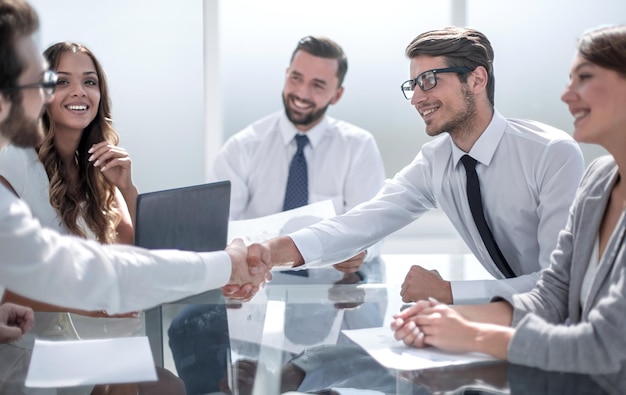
{"x": 428, "y": 80}
{"x": 48, "y": 83}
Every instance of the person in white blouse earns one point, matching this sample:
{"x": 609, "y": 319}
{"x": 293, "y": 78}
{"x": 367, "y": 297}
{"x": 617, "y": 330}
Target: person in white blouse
{"x": 41, "y": 264}
{"x": 343, "y": 160}
{"x": 528, "y": 173}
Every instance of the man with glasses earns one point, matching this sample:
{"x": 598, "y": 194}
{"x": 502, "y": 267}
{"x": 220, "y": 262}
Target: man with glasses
{"x": 41, "y": 264}
{"x": 508, "y": 206}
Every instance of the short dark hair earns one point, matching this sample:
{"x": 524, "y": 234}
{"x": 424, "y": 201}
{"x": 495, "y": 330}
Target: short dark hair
{"x": 17, "y": 19}
{"x": 324, "y": 47}
{"x": 460, "y": 47}
{"x": 605, "y": 47}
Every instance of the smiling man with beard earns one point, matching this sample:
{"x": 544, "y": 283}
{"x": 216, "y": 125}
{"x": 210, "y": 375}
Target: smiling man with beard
{"x": 527, "y": 174}
{"x": 343, "y": 162}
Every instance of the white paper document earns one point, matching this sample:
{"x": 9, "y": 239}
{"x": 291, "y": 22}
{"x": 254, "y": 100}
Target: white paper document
{"x": 105, "y": 361}
{"x": 393, "y": 354}
{"x": 260, "y": 229}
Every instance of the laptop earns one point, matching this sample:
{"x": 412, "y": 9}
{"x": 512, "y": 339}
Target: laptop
{"x": 193, "y": 218}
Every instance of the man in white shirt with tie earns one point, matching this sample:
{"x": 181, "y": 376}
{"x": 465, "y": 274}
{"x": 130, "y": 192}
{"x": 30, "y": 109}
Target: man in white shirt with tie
{"x": 528, "y": 175}
{"x": 288, "y": 159}
{"x": 343, "y": 160}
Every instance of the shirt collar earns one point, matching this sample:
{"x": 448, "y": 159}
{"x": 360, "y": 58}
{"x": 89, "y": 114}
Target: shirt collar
{"x": 484, "y": 148}
{"x": 315, "y": 134}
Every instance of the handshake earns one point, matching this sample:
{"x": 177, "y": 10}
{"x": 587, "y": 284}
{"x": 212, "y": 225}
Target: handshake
{"x": 250, "y": 269}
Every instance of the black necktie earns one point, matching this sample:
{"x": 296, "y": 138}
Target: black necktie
{"x": 476, "y": 206}
{"x": 297, "y": 192}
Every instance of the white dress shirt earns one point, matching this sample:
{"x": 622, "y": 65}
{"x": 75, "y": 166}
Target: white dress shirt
{"x": 22, "y": 168}
{"x": 528, "y": 172}
{"x": 41, "y": 264}
{"x": 343, "y": 163}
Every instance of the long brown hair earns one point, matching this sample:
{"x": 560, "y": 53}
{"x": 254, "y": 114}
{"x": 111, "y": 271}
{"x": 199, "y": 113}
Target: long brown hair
{"x": 93, "y": 198}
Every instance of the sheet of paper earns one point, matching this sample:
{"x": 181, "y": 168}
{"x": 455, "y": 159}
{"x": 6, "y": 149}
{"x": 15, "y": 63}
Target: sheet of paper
{"x": 393, "y": 354}
{"x": 106, "y": 361}
{"x": 260, "y": 229}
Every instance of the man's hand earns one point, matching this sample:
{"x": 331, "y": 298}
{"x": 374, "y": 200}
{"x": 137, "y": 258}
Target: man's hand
{"x": 283, "y": 252}
{"x": 421, "y": 284}
{"x": 249, "y": 272}
{"x": 351, "y": 265}
{"x": 15, "y": 320}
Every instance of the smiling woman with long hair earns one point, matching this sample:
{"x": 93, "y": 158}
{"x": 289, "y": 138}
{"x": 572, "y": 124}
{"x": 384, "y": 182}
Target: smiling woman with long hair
{"x": 77, "y": 120}
{"x": 79, "y": 182}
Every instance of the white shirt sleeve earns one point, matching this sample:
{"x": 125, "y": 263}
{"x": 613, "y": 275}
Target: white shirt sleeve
{"x": 69, "y": 271}
{"x": 482, "y": 291}
{"x": 336, "y": 239}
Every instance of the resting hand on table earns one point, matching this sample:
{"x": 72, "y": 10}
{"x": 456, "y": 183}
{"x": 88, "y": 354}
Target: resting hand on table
{"x": 249, "y": 271}
{"x": 351, "y": 265}
{"x": 429, "y": 323}
{"x": 421, "y": 283}
{"x": 404, "y": 326}
{"x": 15, "y": 320}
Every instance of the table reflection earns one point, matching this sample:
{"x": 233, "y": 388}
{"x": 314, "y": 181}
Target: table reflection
{"x": 289, "y": 338}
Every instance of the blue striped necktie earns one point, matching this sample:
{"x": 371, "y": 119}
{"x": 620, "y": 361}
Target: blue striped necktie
{"x": 297, "y": 192}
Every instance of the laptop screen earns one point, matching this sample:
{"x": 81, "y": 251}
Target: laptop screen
{"x": 193, "y": 218}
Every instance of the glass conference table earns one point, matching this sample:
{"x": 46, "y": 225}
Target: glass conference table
{"x": 295, "y": 324}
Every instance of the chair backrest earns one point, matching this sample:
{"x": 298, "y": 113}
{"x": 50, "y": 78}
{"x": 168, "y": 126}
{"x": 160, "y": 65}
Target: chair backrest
{"x": 193, "y": 218}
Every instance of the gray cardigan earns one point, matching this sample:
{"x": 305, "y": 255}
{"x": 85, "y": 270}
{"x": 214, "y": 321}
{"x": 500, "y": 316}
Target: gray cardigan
{"x": 553, "y": 332}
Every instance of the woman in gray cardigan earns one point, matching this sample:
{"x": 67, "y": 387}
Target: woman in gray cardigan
{"x": 574, "y": 319}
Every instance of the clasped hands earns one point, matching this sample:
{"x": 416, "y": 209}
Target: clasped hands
{"x": 250, "y": 270}
{"x": 431, "y": 323}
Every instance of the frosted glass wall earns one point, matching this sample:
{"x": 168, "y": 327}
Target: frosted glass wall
{"x": 184, "y": 75}
{"x": 533, "y": 41}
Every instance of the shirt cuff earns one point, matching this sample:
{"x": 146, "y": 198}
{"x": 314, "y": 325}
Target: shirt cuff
{"x": 218, "y": 268}
{"x": 309, "y": 246}
{"x": 469, "y": 292}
